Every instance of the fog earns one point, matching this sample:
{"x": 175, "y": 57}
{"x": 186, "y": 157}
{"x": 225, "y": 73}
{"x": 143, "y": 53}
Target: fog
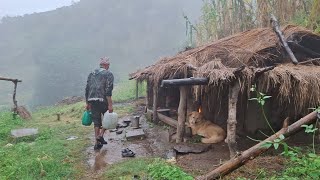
{"x": 53, "y": 52}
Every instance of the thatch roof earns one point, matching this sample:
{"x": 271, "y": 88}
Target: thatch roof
{"x": 252, "y": 49}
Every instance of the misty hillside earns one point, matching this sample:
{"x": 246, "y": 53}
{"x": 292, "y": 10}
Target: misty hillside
{"x": 53, "y": 52}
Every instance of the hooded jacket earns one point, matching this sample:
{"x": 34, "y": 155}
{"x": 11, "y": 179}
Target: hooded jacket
{"x": 99, "y": 85}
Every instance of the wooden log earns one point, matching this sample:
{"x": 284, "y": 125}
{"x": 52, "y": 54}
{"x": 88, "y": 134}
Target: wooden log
{"x": 155, "y": 104}
{"x": 232, "y": 119}
{"x": 184, "y": 82}
{"x": 182, "y": 114}
{"x": 279, "y": 33}
{"x": 257, "y": 149}
{"x": 10, "y": 79}
{"x": 166, "y": 119}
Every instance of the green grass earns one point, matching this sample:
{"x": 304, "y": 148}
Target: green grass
{"x": 47, "y": 155}
{"x": 127, "y": 169}
{"x": 145, "y": 168}
{"x": 126, "y": 90}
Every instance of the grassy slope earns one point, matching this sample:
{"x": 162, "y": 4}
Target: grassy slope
{"x": 49, "y": 155}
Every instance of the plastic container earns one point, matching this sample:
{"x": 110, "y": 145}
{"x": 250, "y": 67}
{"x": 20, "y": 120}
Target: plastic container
{"x": 110, "y": 120}
{"x": 86, "y": 118}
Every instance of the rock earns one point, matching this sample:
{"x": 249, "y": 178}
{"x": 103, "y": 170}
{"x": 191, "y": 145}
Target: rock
{"x": 24, "y": 132}
{"x": 171, "y": 156}
{"x": 135, "y": 134}
{"x": 8, "y": 145}
{"x": 192, "y": 148}
{"x": 72, "y": 138}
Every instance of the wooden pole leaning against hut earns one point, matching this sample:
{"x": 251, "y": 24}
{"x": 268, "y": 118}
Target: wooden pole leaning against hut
{"x": 279, "y": 33}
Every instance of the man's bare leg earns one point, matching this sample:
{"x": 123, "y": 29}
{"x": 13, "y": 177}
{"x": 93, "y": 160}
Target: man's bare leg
{"x": 102, "y": 131}
{"x": 96, "y": 133}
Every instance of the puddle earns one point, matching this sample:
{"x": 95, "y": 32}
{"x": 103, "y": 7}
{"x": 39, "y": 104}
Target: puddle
{"x": 153, "y": 145}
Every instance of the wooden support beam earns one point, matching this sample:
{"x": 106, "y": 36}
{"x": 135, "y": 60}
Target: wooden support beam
{"x": 232, "y": 119}
{"x": 147, "y": 97}
{"x": 184, "y": 82}
{"x": 137, "y": 89}
{"x": 182, "y": 114}
{"x": 9, "y": 79}
{"x": 279, "y": 33}
{"x": 258, "y": 149}
{"x": 15, "y": 103}
{"x": 155, "y": 104}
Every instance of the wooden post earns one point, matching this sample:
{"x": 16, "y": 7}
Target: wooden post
{"x": 258, "y": 149}
{"x": 137, "y": 89}
{"x": 232, "y": 119}
{"x": 147, "y": 97}
{"x": 155, "y": 103}
{"x": 15, "y": 103}
{"x": 182, "y": 114}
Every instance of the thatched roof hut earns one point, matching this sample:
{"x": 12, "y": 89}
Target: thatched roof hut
{"x": 252, "y": 57}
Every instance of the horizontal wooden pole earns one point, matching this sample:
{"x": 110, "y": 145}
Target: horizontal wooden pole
{"x": 184, "y": 82}
{"x": 9, "y": 79}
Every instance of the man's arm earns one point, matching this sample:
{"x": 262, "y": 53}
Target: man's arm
{"x": 109, "y": 88}
{"x": 87, "y": 89}
{"x": 87, "y": 92}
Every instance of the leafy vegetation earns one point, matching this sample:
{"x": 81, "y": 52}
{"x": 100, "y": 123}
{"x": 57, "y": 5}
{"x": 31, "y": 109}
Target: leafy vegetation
{"x": 145, "y": 168}
{"x": 159, "y": 169}
{"x": 221, "y": 18}
{"x": 300, "y": 164}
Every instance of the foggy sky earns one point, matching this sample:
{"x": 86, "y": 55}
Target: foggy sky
{"x": 21, "y": 7}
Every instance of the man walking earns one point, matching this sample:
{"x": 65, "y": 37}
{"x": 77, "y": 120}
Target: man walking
{"x": 98, "y": 98}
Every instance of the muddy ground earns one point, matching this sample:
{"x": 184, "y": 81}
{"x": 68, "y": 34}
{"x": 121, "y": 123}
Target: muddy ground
{"x": 157, "y": 143}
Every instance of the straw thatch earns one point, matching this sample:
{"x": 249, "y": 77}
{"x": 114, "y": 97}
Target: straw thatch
{"x": 253, "y": 49}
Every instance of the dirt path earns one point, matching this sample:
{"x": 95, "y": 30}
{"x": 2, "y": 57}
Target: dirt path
{"x": 155, "y": 144}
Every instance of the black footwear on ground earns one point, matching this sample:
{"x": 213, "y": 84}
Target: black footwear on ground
{"x": 97, "y": 147}
{"x": 101, "y": 140}
{"x": 127, "y": 153}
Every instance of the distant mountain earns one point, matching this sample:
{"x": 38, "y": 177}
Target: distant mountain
{"x": 53, "y": 52}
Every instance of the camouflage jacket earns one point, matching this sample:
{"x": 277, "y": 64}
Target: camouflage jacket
{"x": 99, "y": 85}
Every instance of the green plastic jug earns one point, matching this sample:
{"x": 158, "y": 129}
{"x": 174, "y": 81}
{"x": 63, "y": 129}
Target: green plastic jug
{"x": 86, "y": 118}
